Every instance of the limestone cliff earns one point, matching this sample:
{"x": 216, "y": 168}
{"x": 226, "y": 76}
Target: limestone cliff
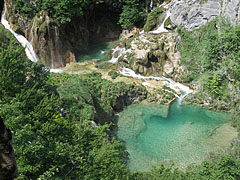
{"x": 192, "y": 14}
{"x": 8, "y": 167}
{"x": 151, "y": 54}
{"x": 56, "y": 44}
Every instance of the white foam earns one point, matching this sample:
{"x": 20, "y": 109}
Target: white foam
{"x": 121, "y": 51}
{"x": 176, "y": 86}
{"x": 23, "y": 41}
{"x": 56, "y": 71}
{"x": 161, "y": 28}
{"x": 145, "y": 84}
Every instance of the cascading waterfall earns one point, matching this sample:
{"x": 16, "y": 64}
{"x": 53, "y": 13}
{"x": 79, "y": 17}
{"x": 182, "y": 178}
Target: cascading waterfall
{"x": 176, "y": 86}
{"x": 50, "y": 43}
{"x": 161, "y": 28}
{"x": 22, "y": 40}
{"x": 120, "y": 51}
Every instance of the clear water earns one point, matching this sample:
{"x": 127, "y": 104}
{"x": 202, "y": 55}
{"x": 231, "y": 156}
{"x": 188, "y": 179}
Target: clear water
{"x": 184, "y": 135}
{"x": 98, "y": 51}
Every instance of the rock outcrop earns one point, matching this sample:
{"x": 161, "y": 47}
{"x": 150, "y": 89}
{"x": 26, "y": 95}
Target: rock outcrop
{"x": 8, "y": 167}
{"x": 192, "y": 14}
{"x": 151, "y": 54}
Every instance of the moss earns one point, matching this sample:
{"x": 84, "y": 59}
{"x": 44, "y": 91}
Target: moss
{"x": 152, "y": 19}
{"x": 43, "y": 28}
{"x": 168, "y": 23}
{"x": 128, "y": 43}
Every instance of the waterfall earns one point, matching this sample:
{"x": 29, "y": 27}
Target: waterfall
{"x": 50, "y": 43}
{"x": 22, "y": 40}
{"x": 31, "y": 33}
{"x": 161, "y": 28}
{"x": 120, "y": 51}
{"x": 176, "y": 86}
{"x": 58, "y": 47}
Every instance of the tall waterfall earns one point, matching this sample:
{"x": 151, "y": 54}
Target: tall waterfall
{"x": 22, "y": 40}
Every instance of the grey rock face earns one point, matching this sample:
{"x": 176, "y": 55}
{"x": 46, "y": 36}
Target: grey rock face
{"x": 192, "y": 14}
{"x": 231, "y": 11}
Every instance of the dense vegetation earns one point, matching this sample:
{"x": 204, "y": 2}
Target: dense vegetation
{"x": 61, "y": 10}
{"x": 51, "y": 117}
{"x": 212, "y": 58}
{"x": 133, "y": 11}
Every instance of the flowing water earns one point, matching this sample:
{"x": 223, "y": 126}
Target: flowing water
{"x": 24, "y": 42}
{"x": 161, "y": 28}
{"x": 185, "y": 134}
{"x": 97, "y": 51}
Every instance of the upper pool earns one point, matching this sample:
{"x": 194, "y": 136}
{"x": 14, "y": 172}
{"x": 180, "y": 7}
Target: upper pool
{"x": 97, "y": 51}
{"x": 184, "y": 134}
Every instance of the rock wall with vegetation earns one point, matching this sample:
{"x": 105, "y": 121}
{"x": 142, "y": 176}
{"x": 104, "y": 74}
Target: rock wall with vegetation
{"x": 151, "y": 54}
{"x": 61, "y": 30}
{"x": 211, "y": 59}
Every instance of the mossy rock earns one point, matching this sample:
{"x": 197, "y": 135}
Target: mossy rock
{"x": 160, "y": 54}
{"x": 152, "y": 19}
{"x": 43, "y": 28}
{"x": 168, "y": 24}
{"x": 5, "y": 35}
{"x": 161, "y": 45}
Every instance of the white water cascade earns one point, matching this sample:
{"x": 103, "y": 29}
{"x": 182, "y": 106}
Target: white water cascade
{"x": 161, "y": 28}
{"x": 176, "y": 86}
{"x": 120, "y": 51}
{"x": 22, "y": 40}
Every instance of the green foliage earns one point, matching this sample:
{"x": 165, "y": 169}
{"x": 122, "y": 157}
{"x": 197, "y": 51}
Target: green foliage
{"x": 51, "y": 117}
{"x": 61, "y": 10}
{"x": 133, "y": 12}
{"x": 113, "y": 74}
{"x": 152, "y": 19}
{"x": 211, "y": 56}
{"x": 213, "y": 85}
{"x": 12, "y": 70}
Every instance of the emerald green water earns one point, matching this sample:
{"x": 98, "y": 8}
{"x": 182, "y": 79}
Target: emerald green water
{"x": 97, "y": 51}
{"x": 185, "y": 135}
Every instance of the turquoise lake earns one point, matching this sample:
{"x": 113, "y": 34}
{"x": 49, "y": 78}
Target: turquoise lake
{"x": 97, "y": 51}
{"x": 184, "y": 134}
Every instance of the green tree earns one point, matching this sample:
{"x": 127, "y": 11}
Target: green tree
{"x": 133, "y": 12}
